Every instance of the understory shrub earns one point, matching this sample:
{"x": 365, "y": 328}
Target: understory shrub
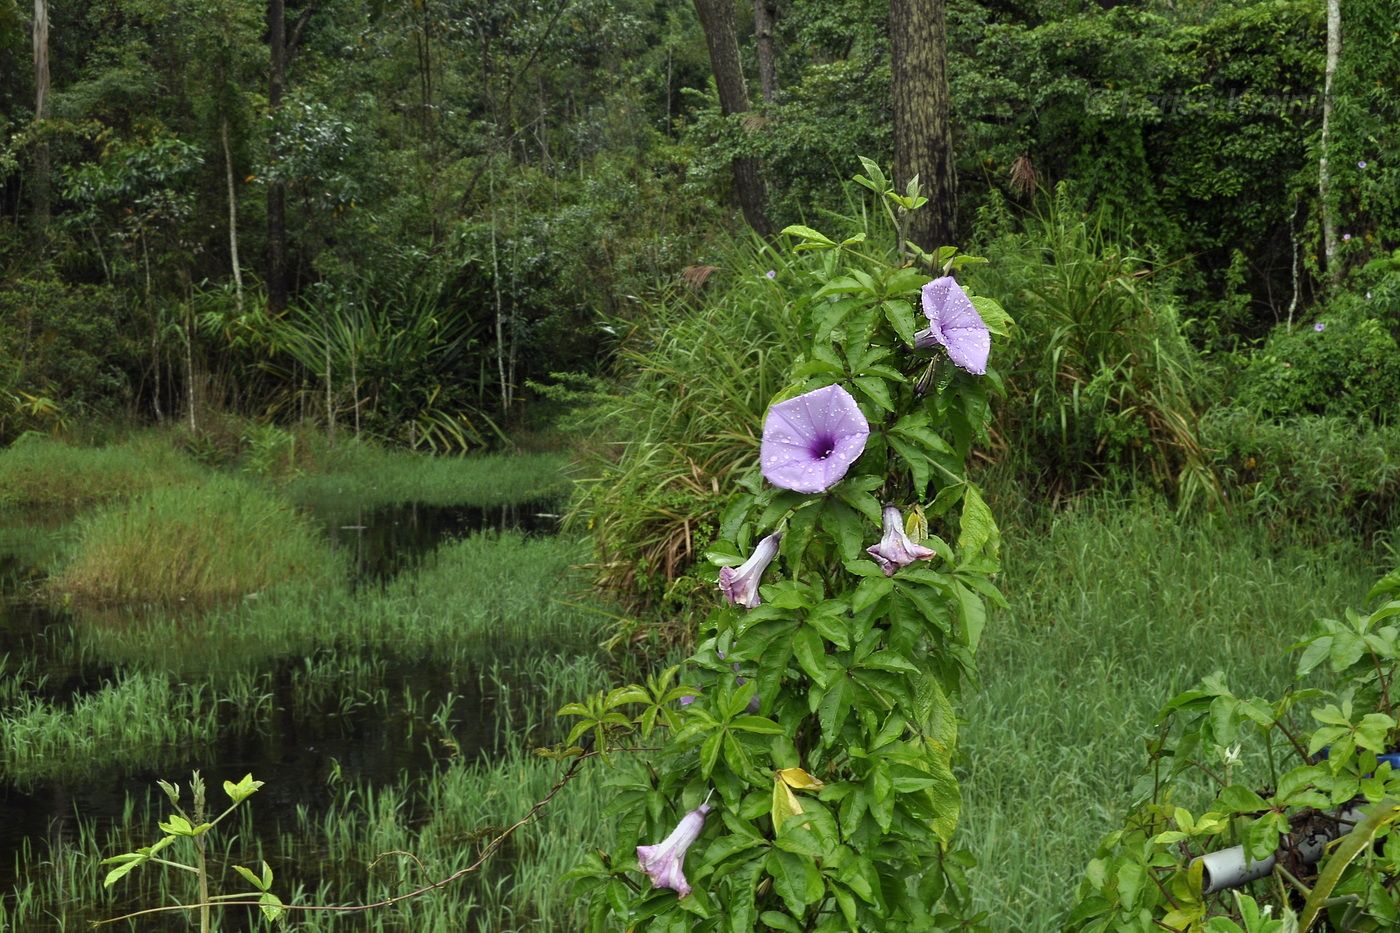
{"x": 1322, "y": 476}
{"x": 219, "y": 538}
{"x": 1344, "y": 364}
{"x": 1100, "y": 379}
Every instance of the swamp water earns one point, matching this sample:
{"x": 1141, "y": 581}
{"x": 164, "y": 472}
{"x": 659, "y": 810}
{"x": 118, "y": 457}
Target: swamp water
{"x": 306, "y": 724}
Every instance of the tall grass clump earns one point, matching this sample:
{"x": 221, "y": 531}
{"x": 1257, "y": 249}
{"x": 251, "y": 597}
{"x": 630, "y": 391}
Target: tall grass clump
{"x": 696, "y": 371}
{"x": 1113, "y": 607}
{"x": 220, "y": 538}
{"x": 41, "y": 472}
{"x": 1101, "y": 381}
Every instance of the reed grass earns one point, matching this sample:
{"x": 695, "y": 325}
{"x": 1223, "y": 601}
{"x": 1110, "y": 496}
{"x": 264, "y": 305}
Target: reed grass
{"x": 40, "y": 472}
{"x": 220, "y": 538}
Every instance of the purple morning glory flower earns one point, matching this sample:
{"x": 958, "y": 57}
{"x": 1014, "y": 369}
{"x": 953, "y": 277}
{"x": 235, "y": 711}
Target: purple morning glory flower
{"x": 689, "y": 698}
{"x": 1361, "y": 164}
{"x": 1319, "y": 327}
{"x": 740, "y": 585}
{"x": 664, "y": 861}
{"x": 1345, "y": 237}
{"x": 809, "y": 442}
{"x": 955, "y": 325}
{"x": 895, "y": 549}
{"x": 772, "y": 273}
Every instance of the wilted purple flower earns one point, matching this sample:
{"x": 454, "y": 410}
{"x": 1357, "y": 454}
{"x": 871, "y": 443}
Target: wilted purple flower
{"x": 955, "y": 325}
{"x": 772, "y": 273}
{"x": 895, "y": 549}
{"x": 740, "y": 584}
{"x": 809, "y": 442}
{"x": 664, "y": 861}
{"x": 1361, "y": 164}
{"x": 689, "y": 698}
{"x": 1319, "y": 327}
{"x": 1346, "y": 236}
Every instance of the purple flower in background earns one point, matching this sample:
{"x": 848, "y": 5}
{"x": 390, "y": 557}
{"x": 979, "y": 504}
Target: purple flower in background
{"x": 955, "y": 325}
{"x": 809, "y": 442}
{"x": 1345, "y": 237}
{"x": 772, "y": 273}
{"x": 1319, "y": 327}
{"x": 895, "y": 549}
{"x": 740, "y": 585}
{"x": 1361, "y": 164}
{"x": 664, "y": 861}
{"x": 689, "y": 698}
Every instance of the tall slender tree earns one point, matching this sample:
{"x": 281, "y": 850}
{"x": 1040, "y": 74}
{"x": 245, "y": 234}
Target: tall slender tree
{"x": 923, "y": 139}
{"x": 1324, "y": 175}
{"x": 41, "y": 111}
{"x": 717, "y": 20}
{"x": 276, "y": 189}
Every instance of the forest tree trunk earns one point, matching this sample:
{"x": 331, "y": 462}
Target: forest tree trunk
{"x": 717, "y": 20}
{"x": 232, "y": 214}
{"x": 767, "y": 57}
{"x": 41, "y": 111}
{"x": 276, "y": 188}
{"x": 1324, "y": 177}
{"x": 923, "y": 139}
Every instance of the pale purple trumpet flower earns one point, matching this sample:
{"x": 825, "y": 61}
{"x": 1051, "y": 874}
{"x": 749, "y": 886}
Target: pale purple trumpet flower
{"x": 665, "y": 861}
{"x": 809, "y": 442}
{"x": 895, "y": 549}
{"x": 740, "y": 584}
{"x": 954, "y": 325}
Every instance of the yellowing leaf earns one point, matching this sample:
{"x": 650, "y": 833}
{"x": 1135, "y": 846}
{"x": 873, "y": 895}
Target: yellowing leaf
{"x": 801, "y": 780}
{"x": 785, "y": 803}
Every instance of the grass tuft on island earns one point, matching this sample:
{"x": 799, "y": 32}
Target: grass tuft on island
{"x": 220, "y": 538}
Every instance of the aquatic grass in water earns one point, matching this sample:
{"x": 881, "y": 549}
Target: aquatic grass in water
{"x": 325, "y": 854}
{"x": 220, "y": 538}
{"x": 473, "y": 598}
{"x": 1114, "y": 609}
{"x": 39, "y": 472}
{"x": 141, "y": 718}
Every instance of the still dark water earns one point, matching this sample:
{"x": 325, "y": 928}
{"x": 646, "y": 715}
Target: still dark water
{"x": 297, "y": 747}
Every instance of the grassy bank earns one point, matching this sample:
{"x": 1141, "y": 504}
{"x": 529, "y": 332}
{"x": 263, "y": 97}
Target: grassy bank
{"x": 367, "y": 476}
{"x": 1114, "y": 608}
{"x": 219, "y": 538}
{"x": 40, "y": 473}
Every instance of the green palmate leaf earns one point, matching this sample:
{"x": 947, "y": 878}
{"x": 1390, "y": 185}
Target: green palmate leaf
{"x": 810, "y": 237}
{"x": 993, "y": 315}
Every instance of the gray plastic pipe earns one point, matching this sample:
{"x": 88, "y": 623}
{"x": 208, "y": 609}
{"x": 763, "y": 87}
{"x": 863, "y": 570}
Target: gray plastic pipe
{"x": 1228, "y": 868}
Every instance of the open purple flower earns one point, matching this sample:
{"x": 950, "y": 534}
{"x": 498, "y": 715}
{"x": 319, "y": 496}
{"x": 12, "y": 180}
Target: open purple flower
{"x": 954, "y": 325}
{"x": 809, "y": 442}
{"x": 740, "y": 584}
{"x": 895, "y": 549}
{"x": 664, "y": 861}
{"x": 1319, "y": 327}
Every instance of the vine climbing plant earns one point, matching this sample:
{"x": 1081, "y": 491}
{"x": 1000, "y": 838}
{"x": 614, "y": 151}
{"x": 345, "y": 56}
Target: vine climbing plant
{"x": 803, "y": 779}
